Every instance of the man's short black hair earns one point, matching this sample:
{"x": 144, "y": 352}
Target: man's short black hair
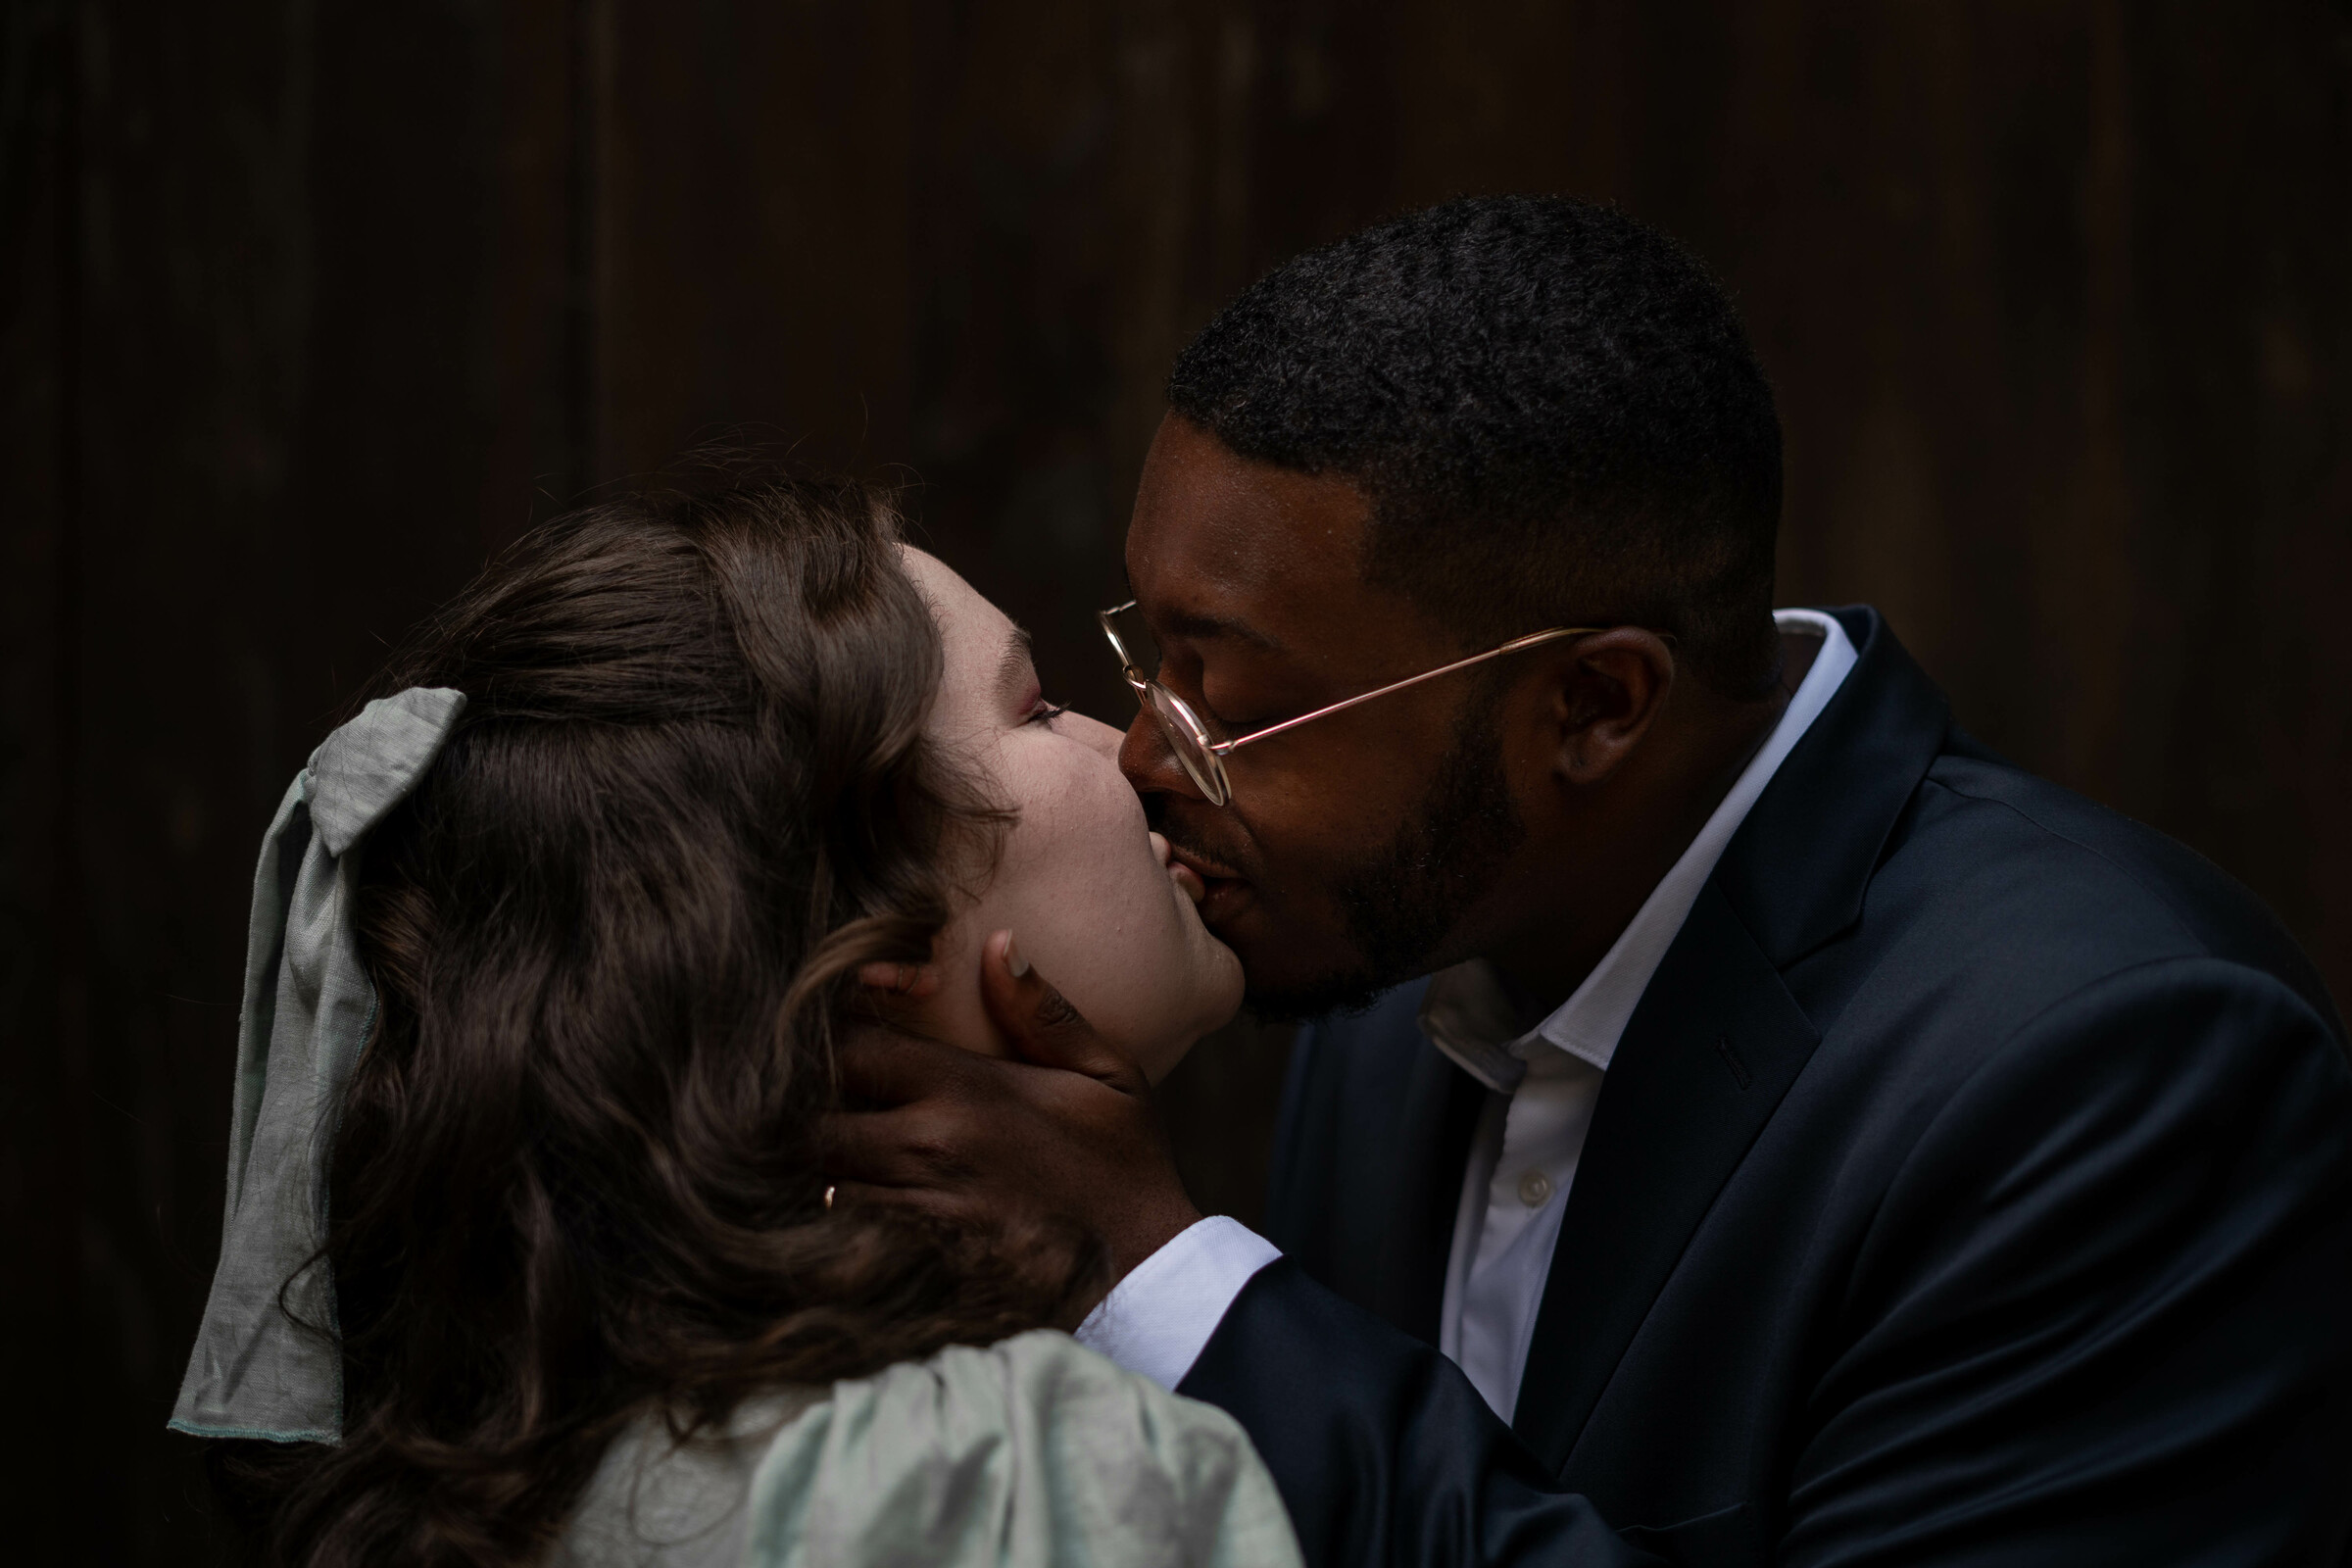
{"x": 1553, "y": 408}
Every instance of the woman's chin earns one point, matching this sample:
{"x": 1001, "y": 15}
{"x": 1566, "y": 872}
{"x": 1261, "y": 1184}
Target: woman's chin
{"x": 1209, "y": 998}
{"x": 1229, "y": 985}
{"x": 1220, "y": 993}
{"x": 1218, "y": 967}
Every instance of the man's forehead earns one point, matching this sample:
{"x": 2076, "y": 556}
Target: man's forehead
{"x": 1225, "y": 548}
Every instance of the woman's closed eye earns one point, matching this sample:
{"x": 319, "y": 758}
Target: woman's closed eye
{"x": 1041, "y": 712}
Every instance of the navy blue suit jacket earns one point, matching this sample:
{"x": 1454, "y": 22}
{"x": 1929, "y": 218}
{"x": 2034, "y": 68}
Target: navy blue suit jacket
{"x": 1972, "y": 1185}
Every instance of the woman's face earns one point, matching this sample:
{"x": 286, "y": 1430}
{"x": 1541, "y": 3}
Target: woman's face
{"x": 1082, "y": 883}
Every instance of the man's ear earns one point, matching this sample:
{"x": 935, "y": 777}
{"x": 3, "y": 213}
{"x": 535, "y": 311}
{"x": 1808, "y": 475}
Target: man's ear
{"x": 1606, "y": 691}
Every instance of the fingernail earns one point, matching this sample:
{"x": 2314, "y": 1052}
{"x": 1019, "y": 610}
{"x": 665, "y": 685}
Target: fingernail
{"x": 1016, "y": 963}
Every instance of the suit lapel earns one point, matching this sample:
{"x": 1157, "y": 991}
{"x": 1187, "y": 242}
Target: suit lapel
{"x": 1379, "y": 1126}
{"x": 1704, "y": 1061}
{"x": 1427, "y": 1159}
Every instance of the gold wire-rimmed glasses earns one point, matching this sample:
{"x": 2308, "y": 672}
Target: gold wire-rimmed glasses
{"x": 1202, "y": 756}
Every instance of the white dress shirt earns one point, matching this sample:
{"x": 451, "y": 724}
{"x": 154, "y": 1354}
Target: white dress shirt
{"x": 1543, "y": 1084}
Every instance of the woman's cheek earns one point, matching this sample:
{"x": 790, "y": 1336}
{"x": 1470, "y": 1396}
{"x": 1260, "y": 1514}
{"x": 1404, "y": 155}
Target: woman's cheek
{"x": 1101, "y": 925}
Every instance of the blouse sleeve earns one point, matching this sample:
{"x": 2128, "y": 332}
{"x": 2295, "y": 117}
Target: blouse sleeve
{"x": 1035, "y": 1450}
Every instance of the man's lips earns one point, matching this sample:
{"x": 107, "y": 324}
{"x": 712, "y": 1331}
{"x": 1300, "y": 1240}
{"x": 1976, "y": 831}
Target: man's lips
{"x": 1187, "y": 876}
{"x": 1221, "y": 890}
{"x": 1201, "y": 867}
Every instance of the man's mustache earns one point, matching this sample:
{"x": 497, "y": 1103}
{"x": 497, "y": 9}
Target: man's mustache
{"x": 1188, "y": 843}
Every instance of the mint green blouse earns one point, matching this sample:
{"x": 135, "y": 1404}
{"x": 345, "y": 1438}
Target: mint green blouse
{"x": 1035, "y": 1451}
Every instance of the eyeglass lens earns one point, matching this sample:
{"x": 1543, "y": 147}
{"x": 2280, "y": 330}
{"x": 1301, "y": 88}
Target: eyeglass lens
{"x": 1186, "y": 735}
{"x": 1135, "y": 641}
{"x": 1187, "y": 739}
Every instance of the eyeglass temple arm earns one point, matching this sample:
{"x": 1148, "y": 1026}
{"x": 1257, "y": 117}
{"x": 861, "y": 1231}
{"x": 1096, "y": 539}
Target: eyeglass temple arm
{"x": 1513, "y": 646}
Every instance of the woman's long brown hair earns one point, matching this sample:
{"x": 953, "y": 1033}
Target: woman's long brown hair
{"x": 614, "y": 934}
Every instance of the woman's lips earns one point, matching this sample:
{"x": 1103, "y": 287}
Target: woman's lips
{"x": 1188, "y": 881}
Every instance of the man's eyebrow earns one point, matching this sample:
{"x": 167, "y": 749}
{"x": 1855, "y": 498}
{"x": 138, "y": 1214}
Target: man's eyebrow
{"x": 1013, "y": 668}
{"x": 1195, "y": 627}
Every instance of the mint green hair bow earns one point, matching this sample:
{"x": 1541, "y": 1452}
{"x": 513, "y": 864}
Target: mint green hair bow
{"x": 308, "y": 1007}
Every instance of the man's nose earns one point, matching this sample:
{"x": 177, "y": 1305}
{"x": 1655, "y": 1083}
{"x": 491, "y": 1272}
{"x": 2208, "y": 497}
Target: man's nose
{"x": 1149, "y": 762}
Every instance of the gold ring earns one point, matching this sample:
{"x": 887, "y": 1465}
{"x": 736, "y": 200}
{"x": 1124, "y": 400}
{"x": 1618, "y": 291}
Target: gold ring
{"x": 828, "y": 1195}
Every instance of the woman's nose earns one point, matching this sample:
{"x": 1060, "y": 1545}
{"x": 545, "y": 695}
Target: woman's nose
{"x": 1095, "y": 735}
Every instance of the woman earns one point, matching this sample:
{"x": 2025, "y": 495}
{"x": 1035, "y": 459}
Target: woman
{"x": 553, "y": 944}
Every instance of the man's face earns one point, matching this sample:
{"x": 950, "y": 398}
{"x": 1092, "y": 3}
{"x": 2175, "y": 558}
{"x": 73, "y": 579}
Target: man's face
{"x": 1352, "y": 846}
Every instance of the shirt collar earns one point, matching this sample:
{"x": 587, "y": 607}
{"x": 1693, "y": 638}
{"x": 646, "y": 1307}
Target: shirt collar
{"x": 1465, "y": 1011}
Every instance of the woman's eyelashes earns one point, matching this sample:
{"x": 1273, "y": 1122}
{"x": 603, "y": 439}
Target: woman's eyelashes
{"x": 1041, "y": 712}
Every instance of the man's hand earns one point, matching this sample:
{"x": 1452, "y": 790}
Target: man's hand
{"x": 1068, "y": 1131}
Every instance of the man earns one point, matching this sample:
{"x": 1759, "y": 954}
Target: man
{"x": 1747, "y": 1119}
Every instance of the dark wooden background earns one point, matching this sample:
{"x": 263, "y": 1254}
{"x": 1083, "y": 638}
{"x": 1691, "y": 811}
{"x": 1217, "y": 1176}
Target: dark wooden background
{"x": 308, "y": 308}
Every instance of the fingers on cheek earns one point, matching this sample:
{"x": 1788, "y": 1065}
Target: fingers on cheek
{"x": 937, "y": 1144}
{"x": 1071, "y": 1100}
{"x": 934, "y": 1204}
{"x": 1054, "y": 1011}
{"x": 915, "y": 1147}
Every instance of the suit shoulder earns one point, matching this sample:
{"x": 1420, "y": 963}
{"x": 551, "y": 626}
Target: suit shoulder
{"x": 2021, "y": 949}
{"x": 2088, "y": 883}
{"x": 1999, "y": 894}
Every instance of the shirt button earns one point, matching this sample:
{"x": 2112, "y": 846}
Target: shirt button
{"x": 1534, "y": 1188}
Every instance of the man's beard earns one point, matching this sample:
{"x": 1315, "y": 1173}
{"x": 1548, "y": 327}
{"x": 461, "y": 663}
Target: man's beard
{"x": 1402, "y": 901}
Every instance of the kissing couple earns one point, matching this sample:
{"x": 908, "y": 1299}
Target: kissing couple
{"x": 694, "y": 1091}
